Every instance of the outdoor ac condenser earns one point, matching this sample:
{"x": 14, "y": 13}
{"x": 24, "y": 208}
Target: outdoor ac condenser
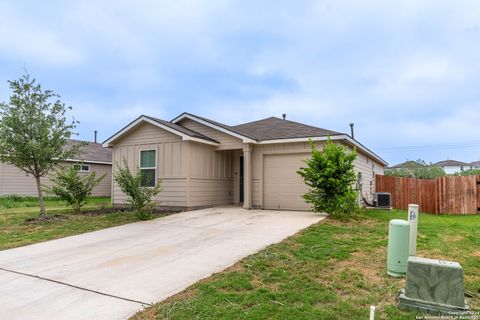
{"x": 382, "y": 199}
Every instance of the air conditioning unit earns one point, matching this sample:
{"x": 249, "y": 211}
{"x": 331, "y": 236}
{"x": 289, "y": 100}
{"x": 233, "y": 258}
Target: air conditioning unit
{"x": 382, "y": 200}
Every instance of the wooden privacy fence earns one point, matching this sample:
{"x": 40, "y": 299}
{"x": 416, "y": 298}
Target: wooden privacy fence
{"x": 451, "y": 194}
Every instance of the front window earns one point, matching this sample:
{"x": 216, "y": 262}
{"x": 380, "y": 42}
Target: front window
{"x": 148, "y": 166}
{"x": 81, "y": 167}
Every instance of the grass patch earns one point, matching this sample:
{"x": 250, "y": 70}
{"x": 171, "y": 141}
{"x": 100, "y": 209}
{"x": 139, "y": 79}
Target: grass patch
{"x": 331, "y": 270}
{"x": 15, "y": 231}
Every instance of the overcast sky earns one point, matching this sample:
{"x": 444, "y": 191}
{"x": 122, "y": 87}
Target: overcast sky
{"x": 406, "y": 73}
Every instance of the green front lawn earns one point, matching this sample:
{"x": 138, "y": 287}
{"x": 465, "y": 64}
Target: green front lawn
{"x": 14, "y": 232}
{"x": 332, "y": 270}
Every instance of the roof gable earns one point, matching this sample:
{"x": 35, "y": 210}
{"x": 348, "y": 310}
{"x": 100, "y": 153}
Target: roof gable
{"x": 215, "y": 125}
{"x": 226, "y": 140}
{"x": 184, "y": 133}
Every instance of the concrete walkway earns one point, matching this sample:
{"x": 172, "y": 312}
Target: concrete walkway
{"x": 112, "y": 273}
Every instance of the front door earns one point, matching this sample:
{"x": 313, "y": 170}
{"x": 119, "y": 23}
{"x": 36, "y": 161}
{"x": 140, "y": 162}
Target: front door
{"x": 240, "y": 179}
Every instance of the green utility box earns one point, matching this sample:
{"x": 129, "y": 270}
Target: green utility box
{"x": 398, "y": 247}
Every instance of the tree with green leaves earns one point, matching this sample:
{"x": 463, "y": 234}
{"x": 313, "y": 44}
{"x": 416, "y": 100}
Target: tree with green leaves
{"x": 330, "y": 176}
{"x": 74, "y": 188}
{"x": 34, "y": 131}
{"x": 139, "y": 197}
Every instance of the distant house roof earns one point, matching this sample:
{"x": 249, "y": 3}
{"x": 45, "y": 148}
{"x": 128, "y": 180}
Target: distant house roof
{"x": 406, "y": 164}
{"x": 91, "y": 152}
{"x": 475, "y": 163}
{"x": 450, "y": 163}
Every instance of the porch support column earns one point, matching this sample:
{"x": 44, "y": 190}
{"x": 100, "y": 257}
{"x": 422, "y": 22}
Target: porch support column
{"x": 247, "y": 176}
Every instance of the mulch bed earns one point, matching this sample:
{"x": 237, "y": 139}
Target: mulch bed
{"x": 92, "y": 212}
{"x": 46, "y": 218}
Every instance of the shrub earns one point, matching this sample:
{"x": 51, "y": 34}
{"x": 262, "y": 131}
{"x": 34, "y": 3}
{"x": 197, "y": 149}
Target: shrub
{"x": 72, "y": 187}
{"x": 139, "y": 198}
{"x": 470, "y": 172}
{"x": 330, "y": 176}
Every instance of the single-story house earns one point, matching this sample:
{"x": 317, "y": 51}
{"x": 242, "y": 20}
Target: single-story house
{"x": 92, "y": 158}
{"x": 200, "y": 162}
{"x": 452, "y": 166}
{"x": 475, "y": 165}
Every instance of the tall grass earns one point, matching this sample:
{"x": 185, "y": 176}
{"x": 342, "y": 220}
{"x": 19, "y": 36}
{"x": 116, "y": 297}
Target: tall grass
{"x": 18, "y": 201}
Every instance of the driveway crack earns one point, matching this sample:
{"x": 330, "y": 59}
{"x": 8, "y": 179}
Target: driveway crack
{"x": 74, "y": 286}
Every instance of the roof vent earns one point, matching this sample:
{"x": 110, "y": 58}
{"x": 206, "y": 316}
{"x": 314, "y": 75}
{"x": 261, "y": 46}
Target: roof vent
{"x": 284, "y": 116}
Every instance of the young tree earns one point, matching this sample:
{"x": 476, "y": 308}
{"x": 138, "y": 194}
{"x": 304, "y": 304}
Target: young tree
{"x": 139, "y": 197}
{"x": 330, "y": 176}
{"x": 34, "y": 131}
{"x": 74, "y": 188}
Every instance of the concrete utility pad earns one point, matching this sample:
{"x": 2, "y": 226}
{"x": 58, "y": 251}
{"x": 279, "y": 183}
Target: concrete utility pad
{"x": 111, "y": 273}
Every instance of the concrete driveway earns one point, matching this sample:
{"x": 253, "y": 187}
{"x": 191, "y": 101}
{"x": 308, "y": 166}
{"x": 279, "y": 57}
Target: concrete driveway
{"x": 112, "y": 273}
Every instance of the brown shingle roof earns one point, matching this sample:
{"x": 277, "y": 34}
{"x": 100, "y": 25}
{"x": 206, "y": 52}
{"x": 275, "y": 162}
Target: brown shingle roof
{"x": 184, "y": 130}
{"x": 272, "y": 128}
{"x": 92, "y": 151}
{"x": 450, "y": 163}
{"x": 406, "y": 164}
{"x": 276, "y": 128}
{"x": 221, "y": 125}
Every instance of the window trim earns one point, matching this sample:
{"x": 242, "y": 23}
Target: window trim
{"x": 81, "y": 167}
{"x": 148, "y": 168}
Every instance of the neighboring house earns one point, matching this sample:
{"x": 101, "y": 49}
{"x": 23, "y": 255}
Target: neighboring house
{"x": 452, "y": 166}
{"x": 405, "y": 165}
{"x": 201, "y": 162}
{"x": 475, "y": 165}
{"x": 93, "y": 158}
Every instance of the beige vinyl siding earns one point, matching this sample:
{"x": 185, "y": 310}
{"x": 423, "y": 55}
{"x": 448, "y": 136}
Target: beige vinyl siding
{"x": 226, "y": 140}
{"x": 211, "y": 176}
{"x": 15, "y": 181}
{"x": 104, "y": 189}
{"x": 171, "y": 170}
{"x": 145, "y": 133}
{"x": 276, "y": 183}
{"x": 368, "y": 168}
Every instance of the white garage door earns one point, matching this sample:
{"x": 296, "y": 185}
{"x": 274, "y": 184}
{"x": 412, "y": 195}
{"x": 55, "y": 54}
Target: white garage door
{"x": 283, "y": 187}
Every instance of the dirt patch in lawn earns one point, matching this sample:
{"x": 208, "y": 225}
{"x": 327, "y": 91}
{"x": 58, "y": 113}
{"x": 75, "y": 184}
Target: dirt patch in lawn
{"x": 452, "y": 238}
{"x": 46, "y": 218}
{"x": 476, "y": 254}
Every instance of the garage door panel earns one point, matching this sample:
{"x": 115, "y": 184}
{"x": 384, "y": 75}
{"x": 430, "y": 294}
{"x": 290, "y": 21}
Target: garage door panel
{"x": 283, "y": 186}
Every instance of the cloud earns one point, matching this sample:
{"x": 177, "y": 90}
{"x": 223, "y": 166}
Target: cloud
{"x": 30, "y": 42}
{"x": 405, "y": 73}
